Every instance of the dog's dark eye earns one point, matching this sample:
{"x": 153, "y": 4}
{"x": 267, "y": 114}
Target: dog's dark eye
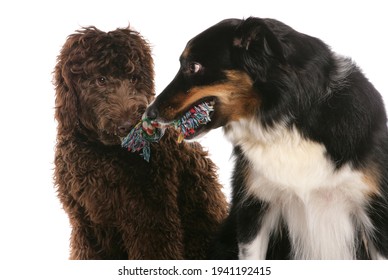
{"x": 134, "y": 80}
{"x": 101, "y": 81}
{"x": 194, "y": 67}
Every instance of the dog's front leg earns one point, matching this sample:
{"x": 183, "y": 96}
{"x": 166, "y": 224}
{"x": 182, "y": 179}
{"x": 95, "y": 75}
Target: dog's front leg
{"x": 253, "y": 229}
{"x": 255, "y": 249}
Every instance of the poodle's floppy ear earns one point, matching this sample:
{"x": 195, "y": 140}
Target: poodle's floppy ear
{"x": 257, "y": 45}
{"x": 66, "y": 98}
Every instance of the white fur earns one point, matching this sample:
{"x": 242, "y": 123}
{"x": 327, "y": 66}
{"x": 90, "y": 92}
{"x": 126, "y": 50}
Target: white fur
{"x": 321, "y": 206}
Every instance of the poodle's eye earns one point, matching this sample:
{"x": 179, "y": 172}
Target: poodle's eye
{"x": 134, "y": 80}
{"x": 101, "y": 81}
{"x": 194, "y": 68}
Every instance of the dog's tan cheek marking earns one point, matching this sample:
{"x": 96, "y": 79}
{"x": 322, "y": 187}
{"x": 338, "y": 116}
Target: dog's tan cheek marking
{"x": 236, "y": 95}
{"x": 243, "y": 105}
{"x": 371, "y": 178}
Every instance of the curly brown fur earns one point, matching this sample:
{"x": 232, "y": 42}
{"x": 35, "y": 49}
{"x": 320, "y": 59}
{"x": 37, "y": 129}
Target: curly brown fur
{"x": 119, "y": 206}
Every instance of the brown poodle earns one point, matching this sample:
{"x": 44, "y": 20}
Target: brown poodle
{"x": 119, "y": 205}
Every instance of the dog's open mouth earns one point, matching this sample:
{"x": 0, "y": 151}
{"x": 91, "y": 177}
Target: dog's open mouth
{"x": 195, "y": 119}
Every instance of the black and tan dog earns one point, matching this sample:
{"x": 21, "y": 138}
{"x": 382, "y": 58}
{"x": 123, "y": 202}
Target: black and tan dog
{"x": 310, "y": 141}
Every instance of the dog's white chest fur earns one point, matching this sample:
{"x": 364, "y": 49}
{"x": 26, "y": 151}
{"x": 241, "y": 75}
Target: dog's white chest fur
{"x": 323, "y": 208}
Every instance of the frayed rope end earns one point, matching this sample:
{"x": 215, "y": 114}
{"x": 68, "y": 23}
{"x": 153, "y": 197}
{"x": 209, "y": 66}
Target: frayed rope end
{"x": 140, "y": 137}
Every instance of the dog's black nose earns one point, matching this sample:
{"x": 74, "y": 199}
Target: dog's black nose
{"x": 152, "y": 113}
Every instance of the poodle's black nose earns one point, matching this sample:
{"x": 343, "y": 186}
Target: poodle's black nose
{"x": 124, "y": 129}
{"x": 152, "y": 113}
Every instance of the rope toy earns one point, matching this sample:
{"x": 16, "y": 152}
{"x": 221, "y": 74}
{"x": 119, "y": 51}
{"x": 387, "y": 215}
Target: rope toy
{"x": 140, "y": 137}
{"x": 147, "y": 131}
{"x": 192, "y": 119}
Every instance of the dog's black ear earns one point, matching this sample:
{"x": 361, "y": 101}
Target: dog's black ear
{"x": 257, "y": 47}
{"x": 254, "y": 35}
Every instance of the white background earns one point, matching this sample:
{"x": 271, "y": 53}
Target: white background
{"x": 33, "y": 225}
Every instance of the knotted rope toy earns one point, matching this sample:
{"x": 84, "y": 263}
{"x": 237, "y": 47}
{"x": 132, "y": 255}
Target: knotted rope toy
{"x": 140, "y": 137}
{"x": 147, "y": 131}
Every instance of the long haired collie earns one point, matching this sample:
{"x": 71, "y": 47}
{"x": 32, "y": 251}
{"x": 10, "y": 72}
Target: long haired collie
{"x": 310, "y": 141}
